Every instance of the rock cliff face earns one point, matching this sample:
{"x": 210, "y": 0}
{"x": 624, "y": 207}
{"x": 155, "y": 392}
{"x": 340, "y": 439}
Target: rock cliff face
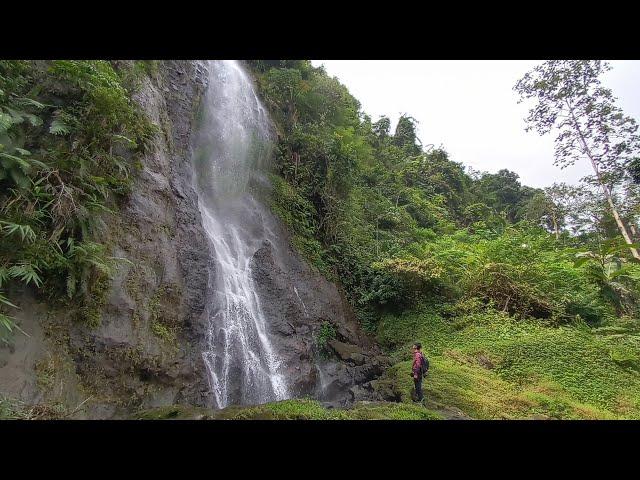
{"x": 147, "y": 351}
{"x": 298, "y": 301}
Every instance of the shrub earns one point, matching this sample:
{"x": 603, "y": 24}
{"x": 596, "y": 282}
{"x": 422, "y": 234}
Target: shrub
{"x": 68, "y": 136}
{"x": 326, "y": 333}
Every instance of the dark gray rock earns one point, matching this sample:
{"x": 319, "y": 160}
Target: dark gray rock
{"x": 297, "y": 300}
{"x": 125, "y": 363}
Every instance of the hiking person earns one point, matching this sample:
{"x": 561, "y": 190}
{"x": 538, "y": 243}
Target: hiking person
{"x": 418, "y": 370}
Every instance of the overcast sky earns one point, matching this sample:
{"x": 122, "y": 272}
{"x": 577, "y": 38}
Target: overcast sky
{"x": 470, "y": 108}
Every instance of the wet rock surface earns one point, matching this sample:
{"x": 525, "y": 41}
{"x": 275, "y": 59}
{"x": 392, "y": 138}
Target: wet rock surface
{"x": 147, "y": 350}
{"x": 298, "y": 301}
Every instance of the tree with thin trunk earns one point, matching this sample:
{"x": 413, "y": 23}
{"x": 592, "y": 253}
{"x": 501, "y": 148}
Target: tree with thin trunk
{"x": 548, "y": 207}
{"x": 571, "y": 100}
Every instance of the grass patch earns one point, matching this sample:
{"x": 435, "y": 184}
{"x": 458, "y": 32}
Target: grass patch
{"x": 161, "y": 324}
{"x": 91, "y": 311}
{"x": 13, "y": 409}
{"x": 312, "y": 410}
{"x": 301, "y": 409}
{"x": 492, "y": 366}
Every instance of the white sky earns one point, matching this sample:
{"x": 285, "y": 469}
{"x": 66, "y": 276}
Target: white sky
{"x": 469, "y": 107}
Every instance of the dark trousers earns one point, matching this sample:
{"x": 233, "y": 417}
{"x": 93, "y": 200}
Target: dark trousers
{"x": 418, "y": 384}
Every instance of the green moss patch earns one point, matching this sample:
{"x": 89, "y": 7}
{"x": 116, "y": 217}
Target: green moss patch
{"x": 301, "y": 409}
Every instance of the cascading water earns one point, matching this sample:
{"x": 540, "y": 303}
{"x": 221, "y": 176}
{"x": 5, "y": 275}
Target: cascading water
{"x": 233, "y": 146}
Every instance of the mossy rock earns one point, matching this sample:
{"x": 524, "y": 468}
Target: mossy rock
{"x": 302, "y": 409}
{"x": 174, "y": 412}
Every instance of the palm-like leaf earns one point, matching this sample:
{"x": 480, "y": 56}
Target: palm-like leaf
{"x": 58, "y": 127}
{"x": 30, "y": 102}
{"x": 5, "y": 122}
{"x": 26, "y": 273}
{"x": 25, "y": 231}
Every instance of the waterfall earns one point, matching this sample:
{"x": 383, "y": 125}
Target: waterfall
{"x": 232, "y": 149}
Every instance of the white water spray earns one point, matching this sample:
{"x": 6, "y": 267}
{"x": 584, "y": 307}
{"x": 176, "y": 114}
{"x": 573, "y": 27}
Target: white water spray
{"x": 232, "y": 148}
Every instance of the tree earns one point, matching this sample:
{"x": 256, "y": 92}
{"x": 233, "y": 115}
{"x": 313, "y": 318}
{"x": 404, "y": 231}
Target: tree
{"x": 634, "y": 170}
{"x": 570, "y": 99}
{"x": 405, "y": 135}
{"x": 382, "y": 127}
{"x": 503, "y": 192}
{"x": 631, "y": 192}
{"x": 541, "y": 209}
{"x": 550, "y": 207}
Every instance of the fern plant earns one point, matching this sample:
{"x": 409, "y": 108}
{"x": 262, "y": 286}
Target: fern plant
{"x": 61, "y": 124}
{"x": 6, "y": 322}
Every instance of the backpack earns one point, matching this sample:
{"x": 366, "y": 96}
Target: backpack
{"x": 424, "y": 366}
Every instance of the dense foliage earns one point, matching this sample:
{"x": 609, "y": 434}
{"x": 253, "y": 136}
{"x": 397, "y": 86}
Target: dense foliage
{"x": 527, "y": 299}
{"x": 68, "y": 137}
{"x": 396, "y": 223}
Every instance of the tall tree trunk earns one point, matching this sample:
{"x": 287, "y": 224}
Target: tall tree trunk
{"x": 605, "y": 188}
{"x": 614, "y": 210}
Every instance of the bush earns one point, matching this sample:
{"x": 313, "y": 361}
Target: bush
{"x": 69, "y": 134}
{"x": 326, "y": 333}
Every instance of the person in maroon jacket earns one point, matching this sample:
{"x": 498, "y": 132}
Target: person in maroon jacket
{"x": 416, "y": 370}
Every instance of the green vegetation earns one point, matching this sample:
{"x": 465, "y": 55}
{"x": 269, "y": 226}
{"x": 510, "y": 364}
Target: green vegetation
{"x": 69, "y": 134}
{"x": 163, "y": 332}
{"x": 11, "y": 409}
{"x": 491, "y": 365}
{"x": 313, "y": 410}
{"x": 325, "y": 335}
{"x": 162, "y": 325}
{"x": 174, "y": 412}
{"x": 527, "y": 299}
{"x": 295, "y": 410}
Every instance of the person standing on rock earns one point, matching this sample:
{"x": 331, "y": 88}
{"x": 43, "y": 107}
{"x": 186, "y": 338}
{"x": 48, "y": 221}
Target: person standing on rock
{"x": 417, "y": 370}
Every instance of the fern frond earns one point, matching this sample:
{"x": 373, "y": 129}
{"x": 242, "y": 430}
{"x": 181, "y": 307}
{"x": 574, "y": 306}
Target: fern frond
{"x": 30, "y": 102}
{"x": 26, "y": 273}
{"x": 58, "y": 127}
{"x": 16, "y": 116}
{"x": 19, "y": 178}
{"x": 5, "y": 122}
{"x": 34, "y": 120}
{"x": 38, "y": 164}
{"x": 125, "y": 140}
{"x": 22, "y": 151}
{"x": 25, "y": 231}
{"x": 20, "y": 162}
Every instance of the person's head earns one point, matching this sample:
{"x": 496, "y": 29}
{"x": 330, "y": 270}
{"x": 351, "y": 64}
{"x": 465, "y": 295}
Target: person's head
{"x": 416, "y": 347}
